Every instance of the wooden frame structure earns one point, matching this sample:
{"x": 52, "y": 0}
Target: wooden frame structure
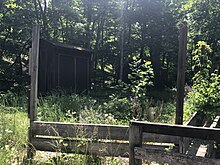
{"x": 138, "y": 152}
{"x": 134, "y": 141}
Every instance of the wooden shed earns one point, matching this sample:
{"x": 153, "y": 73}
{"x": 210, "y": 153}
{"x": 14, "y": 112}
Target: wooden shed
{"x": 63, "y": 66}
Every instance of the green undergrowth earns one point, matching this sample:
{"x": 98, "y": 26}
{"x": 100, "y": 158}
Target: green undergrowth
{"x": 115, "y": 109}
{"x": 13, "y": 135}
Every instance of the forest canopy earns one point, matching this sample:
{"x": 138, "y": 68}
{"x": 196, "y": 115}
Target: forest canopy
{"x": 118, "y": 31}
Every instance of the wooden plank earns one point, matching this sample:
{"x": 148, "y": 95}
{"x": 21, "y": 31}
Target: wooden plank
{"x": 171, "y": 158}
{"x": 82, "y": 147}
{"x": 179, "y": 130}
{"x": 202, "y": 148}
{"x": 34, "y": 71}
{"x": 135, "y": 140}
{"x": 77, "y": 130}
{"x": 197, "y": 119}
{"x": 113, "y": 149}
{"x": 211, "y": 144}
{"x": 181, "y": 73}
{"x": 196, "y": 148}
{"x": 113, "y": 132}
{"x": 151, "y": 137}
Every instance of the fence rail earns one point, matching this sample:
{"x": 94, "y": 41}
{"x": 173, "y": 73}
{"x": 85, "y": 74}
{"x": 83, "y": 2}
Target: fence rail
{"x": 136, "y": 141}
{"x": 137, "y": 153}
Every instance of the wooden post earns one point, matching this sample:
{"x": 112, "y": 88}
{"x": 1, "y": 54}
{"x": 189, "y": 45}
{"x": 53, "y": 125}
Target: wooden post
{"x": 34, "y": 60}
{"x": 181, "y": 73}
{"x": 34, "y": 71}
{"x": 135, "y": 140}
{"x": 30, "y": 62}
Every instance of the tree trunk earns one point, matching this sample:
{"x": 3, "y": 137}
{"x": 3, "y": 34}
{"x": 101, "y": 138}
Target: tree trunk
{"x": 124, "y": 10}
{"x": 156, "y": 64}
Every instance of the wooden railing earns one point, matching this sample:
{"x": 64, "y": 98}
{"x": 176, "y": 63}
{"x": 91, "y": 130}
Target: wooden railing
{"x": 95, "y": 139}
{"x": 138, "y": 152}
{"x": 142, "y": 140}
{"x": 98, "y": 139}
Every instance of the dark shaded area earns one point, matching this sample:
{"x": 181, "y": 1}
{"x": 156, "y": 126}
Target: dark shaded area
{"x": 63, "y": 67}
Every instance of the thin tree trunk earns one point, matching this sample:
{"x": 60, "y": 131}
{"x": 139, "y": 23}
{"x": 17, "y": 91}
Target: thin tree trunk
{"x": 125, "y": 7}
{"x": 44, "y": 17}
{"x": 36, "y": 11}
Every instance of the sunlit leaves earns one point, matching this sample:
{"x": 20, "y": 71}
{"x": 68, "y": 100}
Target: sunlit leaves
{"x": 141, "y": 76}
{"x": 206, "y": 94}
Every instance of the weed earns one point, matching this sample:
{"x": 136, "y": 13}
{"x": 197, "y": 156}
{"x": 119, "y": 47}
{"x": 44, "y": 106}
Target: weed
{"x": 14, "y": 123}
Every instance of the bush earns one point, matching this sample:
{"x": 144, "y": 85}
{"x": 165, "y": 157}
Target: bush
{"x": 205, "y": 96}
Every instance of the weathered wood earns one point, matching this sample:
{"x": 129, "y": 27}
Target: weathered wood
{"x": 30, "y": 149}
{"x": 210, "y": 145}
{"x": 30, "y": 62}
{"x": 34, "y": 71}
{"x": 196, "y": 120}
{"x": 203, "y": 148}
{"x": 34, "y": 85}
{"x": 197, "y": 148}
{"x": 135, "y": 140}
{"x": 171, "y": 158}
{"x": 77, "y": 130}
{"x": 151, "y": 137}
{"x": 179, "y": 130}
{"x": 98, "y": 131}
{"x": 82, "y": 147}
{"x": 181, "y": 73}
{"x": 114, "y": 149}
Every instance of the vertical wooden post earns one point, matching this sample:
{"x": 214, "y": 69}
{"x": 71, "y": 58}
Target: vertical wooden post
{"x": 34, "y": 71}
{"x": 135, "y": 140}
{"x": 34, "y": 60}
{"x": 30, "y": 62}
{"x": 75, "y": 85}
{"x": 181, "y": 73}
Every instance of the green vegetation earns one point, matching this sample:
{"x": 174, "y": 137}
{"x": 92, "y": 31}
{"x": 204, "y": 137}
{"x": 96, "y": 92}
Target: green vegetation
{"x": 135, "y": 44}
{"x": 148, "y": 30}
{"x": 13, "y": 128}
{"x": 205, "y": 96}
{"x": 66, "y": 108}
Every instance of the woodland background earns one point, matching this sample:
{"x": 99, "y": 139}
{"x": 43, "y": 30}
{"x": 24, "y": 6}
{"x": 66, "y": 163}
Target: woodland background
{"x": 124, "y": 34}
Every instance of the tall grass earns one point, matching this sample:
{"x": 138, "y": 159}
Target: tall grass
{"x": 13, "y": 129}
{"x": 14, "y": 122}
{"x": 75, "y": 108}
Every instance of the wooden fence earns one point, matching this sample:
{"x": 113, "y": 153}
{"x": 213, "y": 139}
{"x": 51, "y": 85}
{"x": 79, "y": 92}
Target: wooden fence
{"x": 95, "y": 139}
{"x": 138, "y": 152}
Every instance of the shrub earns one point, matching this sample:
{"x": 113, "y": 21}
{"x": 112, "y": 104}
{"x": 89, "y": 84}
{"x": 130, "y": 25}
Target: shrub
{"x": 205, "y": 96}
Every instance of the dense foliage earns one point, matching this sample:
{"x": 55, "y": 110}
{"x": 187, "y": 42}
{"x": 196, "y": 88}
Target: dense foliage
{"x": 205, "y": 96}
{"x": 117, "y": 31}
{"x": 135, "y": 44}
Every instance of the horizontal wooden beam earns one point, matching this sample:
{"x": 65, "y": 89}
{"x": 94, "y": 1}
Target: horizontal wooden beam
{"x": 77, "y": 130}
{"x": 152, "y": 137}
{"x": 171, "y": 158}
{"x": 81, "y": 147}
{"x": 94, "y": 131}
{"x": 88, "y": 147}
{"x": 179, "y": 130}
